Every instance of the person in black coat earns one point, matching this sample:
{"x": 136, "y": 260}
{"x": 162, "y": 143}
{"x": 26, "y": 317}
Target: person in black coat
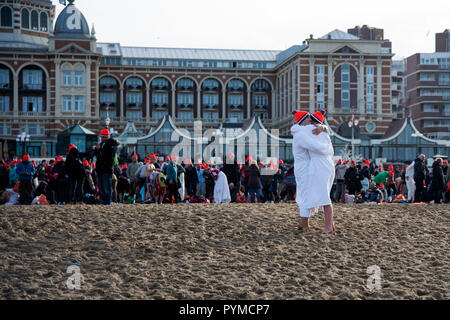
{"x": 105, "y": 152}
{"x": 191, "y": 179}
{"x": 233, "y": 173}
{"x": 419, "y": 177}
{"x": 437, "y": 181}
{"x": 4, "y": 176}
{"x": 353, "y": 180}
{"x": 75, "y": 171}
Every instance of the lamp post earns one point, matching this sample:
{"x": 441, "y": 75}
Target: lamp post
{"x": 23, "y": 138}
{"x": 352, "y": 124}
{"x": 108, "y": 119}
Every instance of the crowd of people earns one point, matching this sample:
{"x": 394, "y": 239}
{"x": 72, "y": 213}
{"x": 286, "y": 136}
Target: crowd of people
{"x": 367, "y": 182}
{"x": 71, "y": 179}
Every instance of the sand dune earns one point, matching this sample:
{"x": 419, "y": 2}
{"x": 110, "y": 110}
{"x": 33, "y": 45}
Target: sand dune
{"x": 223, "y": 252}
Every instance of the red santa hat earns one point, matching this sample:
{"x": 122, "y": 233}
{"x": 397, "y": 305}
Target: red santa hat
{"x": 215, "y": 173}
{"x": 319, "y": 116}
{"x": 153, "y": 156}
{"x": 72, "y": 146}
{"x": 249, "y": 159}
{"x": 92, "y": 165}
{"x": 281, "y": 161}
{"x": 391, "y": 167}
{"x": 147, "y": 160}
{"x": 339, "y": 162}
{"x": 135, "y": 156}
{"x": 85, "y": 163}
{"x": 167, "y": 158}
{"x": 300, "y": 116}
{"x": 19, "y": 160}
{"x": 105, "y": 133}
{"x": 125, "y": 166}
{"x": 26, "y": 157}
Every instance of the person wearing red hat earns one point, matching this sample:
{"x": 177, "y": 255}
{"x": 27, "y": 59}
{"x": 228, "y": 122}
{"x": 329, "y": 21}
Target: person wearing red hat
{"x": 106, "y": 154}
{"x": 75, "y": 171}
{"x": 25, "y": 170}
{"x": 221, "y": 187}
{"x": 314, "y": 177}
{"x": 341, "y": 169}
{"x": 233, "y": 173}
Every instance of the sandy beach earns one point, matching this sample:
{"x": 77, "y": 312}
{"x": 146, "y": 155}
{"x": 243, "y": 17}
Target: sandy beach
{"x": 223, "y": 252}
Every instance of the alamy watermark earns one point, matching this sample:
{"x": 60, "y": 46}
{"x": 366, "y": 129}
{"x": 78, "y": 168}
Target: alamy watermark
{"x": 74, "y": 281}
{"x": 374, "y": 280}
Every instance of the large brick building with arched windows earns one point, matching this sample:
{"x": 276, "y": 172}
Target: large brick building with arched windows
{"x": 54, "y": 74}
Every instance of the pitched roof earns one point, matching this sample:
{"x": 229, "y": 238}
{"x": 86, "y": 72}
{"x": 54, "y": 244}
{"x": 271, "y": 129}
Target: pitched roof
{"x": 339, "y": 35}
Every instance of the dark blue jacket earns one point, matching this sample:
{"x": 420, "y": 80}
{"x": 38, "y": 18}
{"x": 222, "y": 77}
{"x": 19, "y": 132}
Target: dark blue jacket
{"x": 23, "y": 168}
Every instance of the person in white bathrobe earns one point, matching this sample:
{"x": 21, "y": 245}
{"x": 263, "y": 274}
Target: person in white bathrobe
{"x": 301, "y": 165}
{"x": 317, "y": 178}
{"x": 410, "y": 183}
{"x": 221, "y": 187}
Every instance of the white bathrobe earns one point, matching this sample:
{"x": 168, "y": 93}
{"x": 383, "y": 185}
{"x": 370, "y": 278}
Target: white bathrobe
{"x": 410, "y": 183}
{"x": 320, "y": 169}
{"x": 221, "y": 189}
{"x": 301, "y": 165}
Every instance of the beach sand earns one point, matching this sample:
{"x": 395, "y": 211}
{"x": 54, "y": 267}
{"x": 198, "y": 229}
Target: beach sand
{"x": 223, "y": 252}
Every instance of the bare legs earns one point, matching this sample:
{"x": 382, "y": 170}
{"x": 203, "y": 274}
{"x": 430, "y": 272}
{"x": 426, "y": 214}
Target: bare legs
{"x": 329, "y": 219}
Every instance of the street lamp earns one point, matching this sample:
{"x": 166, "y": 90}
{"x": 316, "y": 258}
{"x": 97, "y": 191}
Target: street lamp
{"x": 108, "y": 119}
{"x": 23, "y": 138}
{"x": 352, "y": 124}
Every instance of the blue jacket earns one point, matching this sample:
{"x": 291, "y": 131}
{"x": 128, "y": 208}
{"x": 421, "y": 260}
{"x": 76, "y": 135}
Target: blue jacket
{"x": 171, "y": 172}
{"x": 13, "y": 177}
{"x": 23, "y": 168}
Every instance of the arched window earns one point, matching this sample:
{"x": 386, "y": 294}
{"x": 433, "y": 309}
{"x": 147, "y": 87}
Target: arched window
{"x": 25, "y": 19}
{"x": 34, "y": 20}
{"x": 6, "y": 17}
{"x": 44, "y": 23}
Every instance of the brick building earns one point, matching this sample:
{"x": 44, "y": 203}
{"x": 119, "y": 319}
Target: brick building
{"x": 427, "y": 86}
{"x": 54, "y": 75}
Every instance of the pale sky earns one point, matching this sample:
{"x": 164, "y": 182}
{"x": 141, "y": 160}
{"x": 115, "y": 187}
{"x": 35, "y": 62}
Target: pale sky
{"x": 261, "y": 24}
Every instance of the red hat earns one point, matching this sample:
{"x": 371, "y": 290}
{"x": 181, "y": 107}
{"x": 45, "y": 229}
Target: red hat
{"x": 105, "y": 132}
{"x": 446, "y": 161}
{"x": 339, "y": 162}
{"x": 153, "y": 156}
{"x": 391, "y": 167}
{"x": 406, "y": 167}
{"x": 380, "y": 168}
{"x": 346, "y": 161}
{"x": 19, "y": 160}
{"x": 199, "y": 165}
{"x": 135, "y": 156}
{"x": 85, "y": 163}
{"x": 281, "y": 161}
{"x": 319, "y": 116}
{"x": 381, "y": 185}
{"x": 147, "y": 160}
{"x": 300, "y": 116}
{"x": 125, "y": 166}
{"x": 33, "y": 163}
{"x": 92, "y": 165}
{"x": 26, "y": 157}
{"x": 215, "y": 173}
{"x": 249, "y": 158}
{"x": 167, "y": 158}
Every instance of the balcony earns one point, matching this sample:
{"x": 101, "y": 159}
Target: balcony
{"x": 185, "y": 106}
{"x": 108, "y": 104}
{"x": 210, "y": 106}
{"x": 5, "y": 87}
{"x": 236, "y": 107}
{"x": 134, "y": 105}
{"x": 211, "y": 89}
{"x": 160, "y": 87}
{"x": 163, "y": 105}
{"x": 36, "y": 88}
{"x": 261, "y": 107}
{"x": 108, "y": 87}
{"x": 134, "y": 87}
{"x": 236, "y": 89}
{"x": 31, "y": 114}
